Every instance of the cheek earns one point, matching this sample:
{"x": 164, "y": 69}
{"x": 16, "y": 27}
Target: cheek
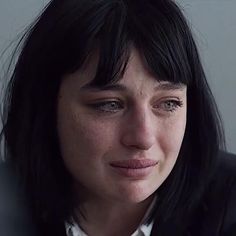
{"x": 170, "y": 143}
{"x": 82, "y": 139}
{"x": 172, "y": 136}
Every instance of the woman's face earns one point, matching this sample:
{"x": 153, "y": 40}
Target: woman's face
{"x": 121, "y": 142}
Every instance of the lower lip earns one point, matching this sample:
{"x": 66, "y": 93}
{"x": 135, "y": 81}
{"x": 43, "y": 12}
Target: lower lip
{"x": 134, "y": 173}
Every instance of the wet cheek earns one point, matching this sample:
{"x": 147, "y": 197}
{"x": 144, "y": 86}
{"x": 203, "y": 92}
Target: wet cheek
{"x": 171, "y": 138}
{"x": 85, "y": 139}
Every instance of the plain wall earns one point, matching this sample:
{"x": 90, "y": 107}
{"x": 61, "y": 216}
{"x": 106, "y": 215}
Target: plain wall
{"x": 214, "y": 26}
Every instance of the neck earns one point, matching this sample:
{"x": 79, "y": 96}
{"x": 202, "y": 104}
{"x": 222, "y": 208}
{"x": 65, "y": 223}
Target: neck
{"x": 111, "y": 218}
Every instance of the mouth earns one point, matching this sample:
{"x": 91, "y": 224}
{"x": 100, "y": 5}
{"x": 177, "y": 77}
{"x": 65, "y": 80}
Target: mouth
{"x": 139, "y": 168}
{"x": 134, "y": 164}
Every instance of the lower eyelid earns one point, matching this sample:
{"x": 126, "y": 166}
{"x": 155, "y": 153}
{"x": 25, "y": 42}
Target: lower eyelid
{"x": 176, "y": 104}
{"x": 102, "y": 105}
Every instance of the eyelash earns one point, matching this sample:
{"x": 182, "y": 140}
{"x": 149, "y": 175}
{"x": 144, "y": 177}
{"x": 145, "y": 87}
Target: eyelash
{"x": 103, "y": 106}
{"x": 100, "y": 106}
{"x": 174, "y": 105}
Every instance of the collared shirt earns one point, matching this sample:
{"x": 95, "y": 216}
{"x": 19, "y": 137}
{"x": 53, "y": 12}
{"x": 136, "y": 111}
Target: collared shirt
{"x": 75, "y": 230}
{"x": 143, "y": 229}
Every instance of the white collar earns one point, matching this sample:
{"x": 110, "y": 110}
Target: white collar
{"x": 73, "y": 229}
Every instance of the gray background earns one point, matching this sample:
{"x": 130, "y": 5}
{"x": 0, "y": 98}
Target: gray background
{"x": 214, "y": 26}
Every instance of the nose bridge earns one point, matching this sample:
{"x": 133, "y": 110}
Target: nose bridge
{"x": 141, "y": 120}
{"x": 140, "y": 129}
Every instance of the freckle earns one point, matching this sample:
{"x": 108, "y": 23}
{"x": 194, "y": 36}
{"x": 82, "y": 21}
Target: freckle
{"x": 141, "y": 93}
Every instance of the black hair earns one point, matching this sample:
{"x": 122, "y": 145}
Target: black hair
{"x": 58, "y": 43}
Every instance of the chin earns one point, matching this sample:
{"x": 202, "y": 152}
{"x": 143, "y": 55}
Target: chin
{"x": 136, "y": 194}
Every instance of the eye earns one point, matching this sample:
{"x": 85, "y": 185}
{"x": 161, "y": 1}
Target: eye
{"x": 169, "y": 105}
{"x": 107, "y": 106}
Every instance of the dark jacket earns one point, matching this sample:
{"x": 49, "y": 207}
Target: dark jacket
{"x": 215, "y": 215}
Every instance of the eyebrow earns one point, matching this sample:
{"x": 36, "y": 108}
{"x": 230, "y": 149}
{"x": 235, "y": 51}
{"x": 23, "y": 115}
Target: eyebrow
{"x": 170, "y": 86}
{"x": 167, "y": 86}
{"x": 110, "y": 87}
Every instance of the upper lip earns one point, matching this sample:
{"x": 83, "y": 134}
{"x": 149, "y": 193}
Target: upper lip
{"x": 134, "y": 163}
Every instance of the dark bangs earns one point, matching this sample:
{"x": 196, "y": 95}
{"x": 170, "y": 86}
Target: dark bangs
{"x": 156, "y": 29}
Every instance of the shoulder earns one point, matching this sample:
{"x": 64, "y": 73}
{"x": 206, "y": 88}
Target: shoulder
{"x": 216, "y": 214}
{"x": 227, "y": 164}
{"x": 15, "y": 214}
{"x": 14, "y": 217}
{"x": 227, "y": 183}
{"x": 224, "y": 176}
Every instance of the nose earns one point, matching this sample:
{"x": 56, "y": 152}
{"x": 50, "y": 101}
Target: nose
{"x": 139, "y": 131}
